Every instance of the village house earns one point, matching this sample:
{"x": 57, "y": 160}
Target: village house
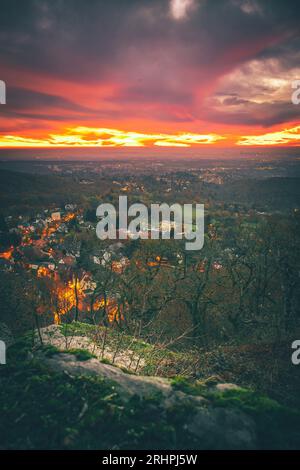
{"x": 55, "y": 216}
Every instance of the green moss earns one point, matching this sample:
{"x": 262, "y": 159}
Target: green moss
{"x": 106, "y": 361}
{"x": 247, "y": 400}
{"x": 77, "y": 329}
{"x": 277, "y": 425}
{"x": 127, "y": 371}
{"x": 81, "y": 354}
{"x": 49, "y": 350}
{"x": 210, "y": 381}
{"x": 45, "y": 410}
{"x": 179, "y": 382}
{"x": 187, "y": 385}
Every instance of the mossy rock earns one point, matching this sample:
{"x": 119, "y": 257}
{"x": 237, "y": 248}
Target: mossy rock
{"x": 49, "y": 350}
{"x": 80, "y": 354}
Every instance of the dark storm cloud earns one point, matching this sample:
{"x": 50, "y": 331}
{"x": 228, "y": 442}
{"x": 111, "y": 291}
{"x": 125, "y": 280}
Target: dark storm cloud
{"x": 28, "y": 104}
{"x": 253, "y": 114}
{"x": 21, "y": 98}
{"x": 79, "y": 38}
{"x": 233, "y": 99}
{"x": 162, "y": 94}
{"x": 138, "y": 44}
{"x": 36, "y": 106}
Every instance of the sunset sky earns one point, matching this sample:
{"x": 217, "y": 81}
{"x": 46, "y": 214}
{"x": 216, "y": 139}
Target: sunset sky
{"x": 159, "y": 73}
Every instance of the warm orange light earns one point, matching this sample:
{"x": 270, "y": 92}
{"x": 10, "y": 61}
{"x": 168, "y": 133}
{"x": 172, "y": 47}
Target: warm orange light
{"x": 66, "y": 298}
{"x": 287, "y": 136}
{"x": 43, "y": 272}
{"x": 102, "y": 137}
{"x": 69, "y": 217}
{"x": 81, "y": 136}
{"x": 112, "y": 308}
{"x": 7, "y": 254}
{"x": 68, "y": 295}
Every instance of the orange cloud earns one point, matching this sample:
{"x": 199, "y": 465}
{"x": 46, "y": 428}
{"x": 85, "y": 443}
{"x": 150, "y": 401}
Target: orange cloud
{"x": 287, "y": 136}
{"x": 82, "y": 136}
{"x": 103, "y": 137}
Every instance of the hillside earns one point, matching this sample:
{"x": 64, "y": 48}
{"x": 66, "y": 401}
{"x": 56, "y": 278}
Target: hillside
{"x": 277, "y": 193}
{"x": 21, "y": 192}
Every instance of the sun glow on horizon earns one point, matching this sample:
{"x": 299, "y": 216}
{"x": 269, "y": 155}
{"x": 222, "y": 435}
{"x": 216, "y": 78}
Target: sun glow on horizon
{"x": 82, "y": 136}
{"x": 103, "y": 137}
{"x": 287, "y": 136}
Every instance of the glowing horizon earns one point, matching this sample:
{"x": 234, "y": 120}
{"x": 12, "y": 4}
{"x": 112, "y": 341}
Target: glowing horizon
{"x": 103, "y": 137}
{"x": 82, "y": 136}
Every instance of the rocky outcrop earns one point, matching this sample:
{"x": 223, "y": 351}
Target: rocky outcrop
{"x": 52, "y": 335}
{"x": 214, "y": 427}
